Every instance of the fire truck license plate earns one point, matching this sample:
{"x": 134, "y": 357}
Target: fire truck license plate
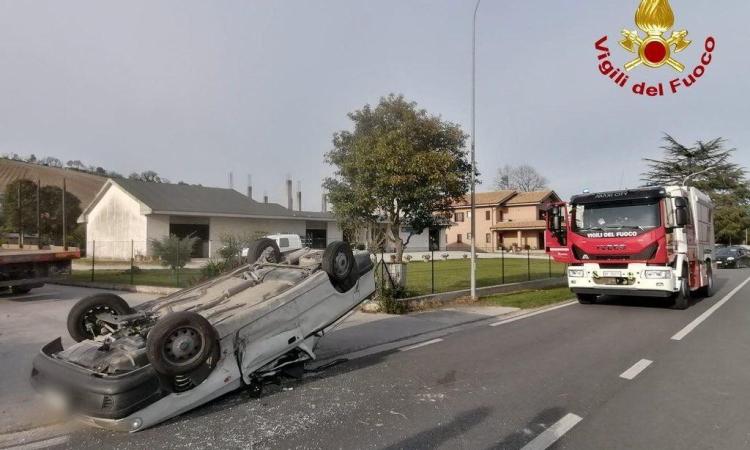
{"x": 612, "y": 273}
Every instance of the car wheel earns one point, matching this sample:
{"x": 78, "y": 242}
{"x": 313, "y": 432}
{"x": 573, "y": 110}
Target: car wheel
{"x": 681, "y": 298}
{"x": 264, "y": 247}
{"x": 181, "y": 342}
{"x": 82, "y": 321}
{"x": 586, "y": 299}
{"x": 338, "y": 262}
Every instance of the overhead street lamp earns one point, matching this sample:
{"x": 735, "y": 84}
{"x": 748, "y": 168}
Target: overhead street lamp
{"x": 473, "y": 157}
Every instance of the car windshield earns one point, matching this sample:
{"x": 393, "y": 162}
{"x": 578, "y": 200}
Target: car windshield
{"x": 616, "y": 216}
{"x": 727, "y": 251}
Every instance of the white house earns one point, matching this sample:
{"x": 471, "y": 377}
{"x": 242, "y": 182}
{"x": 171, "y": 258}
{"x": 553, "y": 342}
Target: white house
{"x": 126, "y": 215}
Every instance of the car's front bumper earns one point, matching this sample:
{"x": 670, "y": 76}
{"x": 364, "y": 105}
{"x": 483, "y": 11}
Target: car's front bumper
{"x": 631, "y": 281}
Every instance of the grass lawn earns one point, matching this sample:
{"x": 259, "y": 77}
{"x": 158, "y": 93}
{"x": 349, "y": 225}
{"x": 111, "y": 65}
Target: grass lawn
{"x": 453, "y": 274}
{"x": 529, "y": 299}
{"x": 148, "y": 277}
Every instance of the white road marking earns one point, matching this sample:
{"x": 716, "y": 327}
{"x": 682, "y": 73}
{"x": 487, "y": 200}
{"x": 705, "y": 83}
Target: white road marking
{"x": 525, "y": 316}
{"x": 421, "y": 344}
{"x": 692, "y": 325}
{"x": 635, "y": 369}
{"x": 553, "y": 433}
{"x": 46, "y": 443}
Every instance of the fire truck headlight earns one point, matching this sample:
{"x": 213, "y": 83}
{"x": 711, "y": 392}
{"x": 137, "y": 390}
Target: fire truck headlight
{"x": 575, "y": 273}
{"x": 657, "y": 274}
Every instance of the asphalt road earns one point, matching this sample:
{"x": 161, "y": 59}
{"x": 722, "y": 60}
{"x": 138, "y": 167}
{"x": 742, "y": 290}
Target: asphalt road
{"x": 599, "y": 376}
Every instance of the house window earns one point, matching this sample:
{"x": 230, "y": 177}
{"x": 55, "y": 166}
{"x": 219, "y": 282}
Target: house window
{"x": 468, "y": 236}
{"x": 499, "y": 215}
{"x": 459, "y": 238}
{"x": 488, "y": 238}
{"x": 458, "y": 217}
{"x": 487, "y": 215}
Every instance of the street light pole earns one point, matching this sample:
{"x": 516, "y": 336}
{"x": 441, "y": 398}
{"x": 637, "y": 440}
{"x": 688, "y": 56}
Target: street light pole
{"x": 473, "y": 156}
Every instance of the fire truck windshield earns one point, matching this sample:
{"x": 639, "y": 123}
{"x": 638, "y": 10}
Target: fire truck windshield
{"x": 616, "y": 216}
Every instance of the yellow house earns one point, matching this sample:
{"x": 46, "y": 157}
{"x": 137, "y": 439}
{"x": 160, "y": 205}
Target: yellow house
{"x": 505, "y": 219}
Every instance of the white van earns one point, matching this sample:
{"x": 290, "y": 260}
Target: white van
{"x": 286, "y": 242}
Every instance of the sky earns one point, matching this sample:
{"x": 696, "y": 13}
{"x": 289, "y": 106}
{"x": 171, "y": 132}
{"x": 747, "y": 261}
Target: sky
{"x": 196, "y": 89}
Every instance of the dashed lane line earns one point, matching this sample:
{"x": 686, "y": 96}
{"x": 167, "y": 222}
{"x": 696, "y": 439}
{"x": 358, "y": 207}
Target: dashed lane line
{"x": 553, "y": 433}
{"x": 635, "y": 369}
{"x": 421, "y": 344}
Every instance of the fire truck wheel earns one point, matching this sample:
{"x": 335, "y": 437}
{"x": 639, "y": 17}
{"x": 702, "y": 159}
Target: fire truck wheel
{"x": 681, "y": 298}
{"x": 586, "y": 299}
{"x": 710, "y": 288}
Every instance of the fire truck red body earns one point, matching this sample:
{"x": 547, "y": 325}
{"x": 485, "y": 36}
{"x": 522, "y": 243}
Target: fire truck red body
{"x": 650, "y": 242}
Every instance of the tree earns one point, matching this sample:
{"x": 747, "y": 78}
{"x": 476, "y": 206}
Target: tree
{"x": 399, "y": 167}
{"x": 50, "y": 210}
{"x": 148, "y": 176}
{"x": 172, "y": 251}
{"x": 709, "y": 165}
{"x": 522, "y": 178}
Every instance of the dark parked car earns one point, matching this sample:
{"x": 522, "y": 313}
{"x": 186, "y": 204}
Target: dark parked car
{"x": 732, "y": 257}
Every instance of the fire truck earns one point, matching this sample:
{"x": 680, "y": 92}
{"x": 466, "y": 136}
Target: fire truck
{"x": 648, "y": 242}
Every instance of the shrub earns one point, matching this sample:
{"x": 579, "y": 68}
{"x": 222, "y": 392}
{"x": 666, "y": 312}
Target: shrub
{"x": 466, "y": 256}
{"x": 408, "y": 258}
{"x": 360, "y": 247}
{"x": 172, "y": 251}
{"x": 213, "y": 268}
{"x": 445, "y": 256}
{"x": 388, "y": 299}
{"x": 426, "y": 257}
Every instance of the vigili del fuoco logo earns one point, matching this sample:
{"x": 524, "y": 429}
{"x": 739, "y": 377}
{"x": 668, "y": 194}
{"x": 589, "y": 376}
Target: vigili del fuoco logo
{"x": 652, "y": 50}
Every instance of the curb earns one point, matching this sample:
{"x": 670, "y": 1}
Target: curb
{"x": 141, "y": 289}
{"x": 434, "y": 300}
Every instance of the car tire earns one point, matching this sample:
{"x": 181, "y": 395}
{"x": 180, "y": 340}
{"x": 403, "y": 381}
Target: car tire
{"x": 339, "y": 263}
{"x": 586, "y": 299}
{"x": 261, "y": 247}
{"x": 181, "y": 342}
{"x": 83, "y": 313}
{"x": 681, "y": 298}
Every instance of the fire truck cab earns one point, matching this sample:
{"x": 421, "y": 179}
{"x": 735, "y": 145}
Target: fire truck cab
{"x": 649, "y": 242}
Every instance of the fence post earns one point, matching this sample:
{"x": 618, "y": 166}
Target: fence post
{"x": 528, "y": 263}
{"x": 93, "y": 258}
{"x": 132, "y": 260}
{"x": 432, "y": 261}
{"x": 502, "y": 265}
{"x": 549, "y": 265}
{"x": 178, "y": 263}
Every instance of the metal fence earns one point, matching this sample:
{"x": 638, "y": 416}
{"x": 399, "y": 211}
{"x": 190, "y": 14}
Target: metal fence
{"x": 431, "y": 271}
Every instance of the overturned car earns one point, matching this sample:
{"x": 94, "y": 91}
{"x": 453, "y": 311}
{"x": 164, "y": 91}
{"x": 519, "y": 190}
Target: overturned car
{"x": 133, "y": 367}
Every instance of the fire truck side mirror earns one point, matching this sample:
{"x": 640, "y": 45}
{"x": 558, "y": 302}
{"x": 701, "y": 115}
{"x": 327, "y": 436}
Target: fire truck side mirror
{"x": 681, "y": 217}
{"x": 556, "y": 222}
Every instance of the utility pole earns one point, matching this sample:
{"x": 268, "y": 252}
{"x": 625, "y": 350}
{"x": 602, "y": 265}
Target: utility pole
{"x": 473, "y": 156}
{"x": 64, "y": 221}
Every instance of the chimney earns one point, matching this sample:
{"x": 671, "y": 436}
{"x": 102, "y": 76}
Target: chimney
{"x": 324, "y": 203}
{"x": 231, "y": 180}
{"x": 249, "y": 186}
{"x": 289, "y": 196}
{"x": 299, "y": 196}
{"x": 265, "y": 197}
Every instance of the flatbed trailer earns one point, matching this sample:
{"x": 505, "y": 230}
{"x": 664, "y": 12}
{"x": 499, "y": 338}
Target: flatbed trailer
{"x": 23, "y": 269}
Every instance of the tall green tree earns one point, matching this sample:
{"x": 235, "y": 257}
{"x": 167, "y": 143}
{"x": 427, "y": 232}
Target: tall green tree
{"x": 399, "y": 167}
{"x": 22, "y": 215}
{"x": 708, "y": 166}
